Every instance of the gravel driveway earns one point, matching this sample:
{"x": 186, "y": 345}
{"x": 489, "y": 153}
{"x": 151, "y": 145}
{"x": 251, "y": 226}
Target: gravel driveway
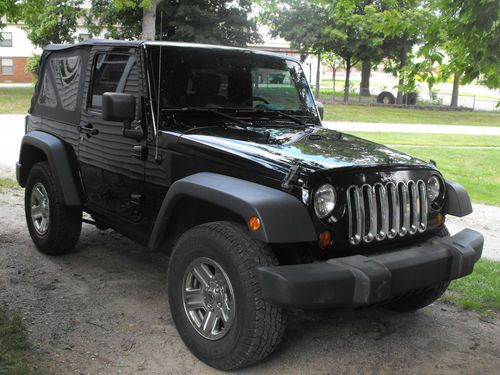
{"x": 103, "y": 310}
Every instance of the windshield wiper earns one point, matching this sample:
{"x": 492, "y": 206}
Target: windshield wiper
{"x": 211, "y": 110}
{"x": 283, "y": 114}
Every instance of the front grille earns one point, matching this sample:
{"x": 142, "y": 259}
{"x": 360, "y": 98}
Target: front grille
{"x": 381, "y": 211}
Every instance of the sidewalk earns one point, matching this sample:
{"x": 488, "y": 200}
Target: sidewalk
{"x": 411, "y": 128}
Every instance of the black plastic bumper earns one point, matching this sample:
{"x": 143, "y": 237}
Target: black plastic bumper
{"x": 362, "y": 280}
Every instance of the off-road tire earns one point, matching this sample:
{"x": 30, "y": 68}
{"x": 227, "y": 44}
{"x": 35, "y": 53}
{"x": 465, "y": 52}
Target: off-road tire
{"x": 258, "y": 326}
{"x": 424, "y": 297}
{"x": 386, "y": 97}
{"x": 65, "y": 222}
{"x": 410, "y": 98}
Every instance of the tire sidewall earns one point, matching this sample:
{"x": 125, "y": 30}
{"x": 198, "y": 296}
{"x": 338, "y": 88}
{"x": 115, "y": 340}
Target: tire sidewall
{"x": 198, "y": 244}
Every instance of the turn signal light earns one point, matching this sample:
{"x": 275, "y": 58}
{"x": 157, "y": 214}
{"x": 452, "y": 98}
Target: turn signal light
{"x": 254, "y": 223}
{"x": 325, "y": 238}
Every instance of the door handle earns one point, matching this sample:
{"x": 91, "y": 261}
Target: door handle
{"x": 88, "y": 129}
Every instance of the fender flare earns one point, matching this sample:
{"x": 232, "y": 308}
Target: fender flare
{"x": 284, "y": 219}
{"x": 457, "y": 200}
{"x": 57, "y": 157}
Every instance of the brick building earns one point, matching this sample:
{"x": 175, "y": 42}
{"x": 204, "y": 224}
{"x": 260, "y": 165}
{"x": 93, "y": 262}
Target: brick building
{"x": 15, "y": 49}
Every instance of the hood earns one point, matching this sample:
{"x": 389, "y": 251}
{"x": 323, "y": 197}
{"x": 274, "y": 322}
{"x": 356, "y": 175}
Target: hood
{"x": 312, "y": 149}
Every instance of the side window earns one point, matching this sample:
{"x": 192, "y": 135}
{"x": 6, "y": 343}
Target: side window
{"x": 47, "y": 96}
{"x": 66, "y": 73}
{"x": 112, "y": 73}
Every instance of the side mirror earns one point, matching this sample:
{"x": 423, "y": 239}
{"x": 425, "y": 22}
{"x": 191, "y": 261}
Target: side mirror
{"x": 121, "y": 107}
{"x": 321, "y": 109}
{"x": 118, "y": 107}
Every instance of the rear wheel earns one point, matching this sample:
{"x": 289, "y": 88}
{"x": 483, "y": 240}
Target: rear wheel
{"x": 424, "y": 297}
{"x": 215, "y": 297}
{"x": 54, "y": 228}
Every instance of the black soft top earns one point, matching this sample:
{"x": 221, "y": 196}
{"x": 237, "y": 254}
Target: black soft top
{"x": 138, "y": 43}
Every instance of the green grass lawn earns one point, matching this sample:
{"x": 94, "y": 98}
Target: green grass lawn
{"x": 417, "y": 139}
{"x": 15, "y": 100}
{"x": 479, "y": 291}
{"x": 15, "y": 356}
{"x": 8, "y": 184}
{"x": 477, "y": 169}
{"x": 340, "y": 112}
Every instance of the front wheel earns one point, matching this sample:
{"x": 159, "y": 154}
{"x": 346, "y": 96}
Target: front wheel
{"x": 215, "y": 297}
{"x": 54, "y": 228}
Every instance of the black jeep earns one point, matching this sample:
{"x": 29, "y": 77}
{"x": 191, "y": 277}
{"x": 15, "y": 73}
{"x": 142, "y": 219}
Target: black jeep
{"x": 202, "y": 152}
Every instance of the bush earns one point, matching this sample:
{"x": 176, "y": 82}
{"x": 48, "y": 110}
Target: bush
{"x": 32, "y": 65}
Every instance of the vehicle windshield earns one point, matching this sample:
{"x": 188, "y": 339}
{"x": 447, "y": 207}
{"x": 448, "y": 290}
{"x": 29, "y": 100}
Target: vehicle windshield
{"x": 240, "y": 83}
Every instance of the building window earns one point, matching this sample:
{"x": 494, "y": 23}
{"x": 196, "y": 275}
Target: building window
{"x": 7, "y": 66}
{"x": 82, "y": 37}
{"x": 5, "y": 39}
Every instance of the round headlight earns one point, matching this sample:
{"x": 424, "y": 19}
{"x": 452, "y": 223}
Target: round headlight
{"x": 325, "y": 198}
{"x": 433, "y": 189}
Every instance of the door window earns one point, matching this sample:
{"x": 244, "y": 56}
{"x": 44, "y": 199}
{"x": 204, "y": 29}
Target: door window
{"x": 111, "y": 72}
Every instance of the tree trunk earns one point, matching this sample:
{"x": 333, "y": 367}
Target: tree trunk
{"x": 454, "y": 94}
{"x": 334, "y": 73}
{"x": 149, "y": 21}
{"x": 364, "y": 86}
{"x": 402, "y": 63}
{"x": 318, "y": 75}
{"x": 347, "y": 78}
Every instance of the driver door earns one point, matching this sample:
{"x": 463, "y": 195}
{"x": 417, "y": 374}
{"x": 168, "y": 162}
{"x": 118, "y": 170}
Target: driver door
{"x": 113, "y": 176}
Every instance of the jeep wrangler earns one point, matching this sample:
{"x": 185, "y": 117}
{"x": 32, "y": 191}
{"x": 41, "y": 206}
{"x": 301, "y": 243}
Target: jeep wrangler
{"x": 218, "y": 157}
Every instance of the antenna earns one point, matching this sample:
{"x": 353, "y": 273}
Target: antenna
{"x": 158, "y": 106}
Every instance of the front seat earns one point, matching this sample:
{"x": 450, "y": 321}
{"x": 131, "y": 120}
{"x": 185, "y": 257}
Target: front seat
{"x": 206, "y": 87}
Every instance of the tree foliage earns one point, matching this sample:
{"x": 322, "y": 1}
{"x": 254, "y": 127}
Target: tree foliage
{"x": 471, "y": 38}
{"x": 214, "y": 21}
{"x": 211, "y": 21}
{"x": 50, "y": 21}
{"x": 119, "y": 22}
{"x": 343, "y": 27}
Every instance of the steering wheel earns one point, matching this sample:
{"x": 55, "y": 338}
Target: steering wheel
{"x": 254, "y": 98}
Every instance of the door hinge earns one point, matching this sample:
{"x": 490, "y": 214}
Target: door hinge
{"x": 140, "y": 152}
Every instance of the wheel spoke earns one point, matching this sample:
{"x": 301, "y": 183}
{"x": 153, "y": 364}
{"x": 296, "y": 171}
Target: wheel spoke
{"x": 36, "y": 211}
{"x": 209, "y": 322}
{"x": 194, "y": 299}
{"x": 38, "y": 194}
{"x": 225, "y": 309}
{"x": 44, "y": 225}
{"x": 202, "y": 273}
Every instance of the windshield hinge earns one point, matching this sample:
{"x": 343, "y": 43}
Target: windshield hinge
{"x": 291, "y": 178}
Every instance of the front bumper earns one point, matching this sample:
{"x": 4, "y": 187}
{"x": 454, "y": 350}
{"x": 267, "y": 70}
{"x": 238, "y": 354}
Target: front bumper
{"x": 362, "y": 280}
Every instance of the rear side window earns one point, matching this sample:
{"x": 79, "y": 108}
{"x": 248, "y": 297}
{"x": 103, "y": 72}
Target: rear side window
{"x": 61, "y": 82}
{"x": 111, "y": 74}
{"x": 66, "y": 72}
{"x": 47, "y": 96}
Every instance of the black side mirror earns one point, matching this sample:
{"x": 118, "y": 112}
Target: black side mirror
{"x": 321, "y": 109}
{"x": 121, "y": 107}
{"x": 118, "y": 107}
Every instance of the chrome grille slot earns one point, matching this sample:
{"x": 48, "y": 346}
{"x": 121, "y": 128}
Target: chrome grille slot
{"x": 385, "y": 211}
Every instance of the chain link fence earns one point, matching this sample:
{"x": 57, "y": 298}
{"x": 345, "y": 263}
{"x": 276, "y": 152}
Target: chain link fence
{"x": 435, "y": 99}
